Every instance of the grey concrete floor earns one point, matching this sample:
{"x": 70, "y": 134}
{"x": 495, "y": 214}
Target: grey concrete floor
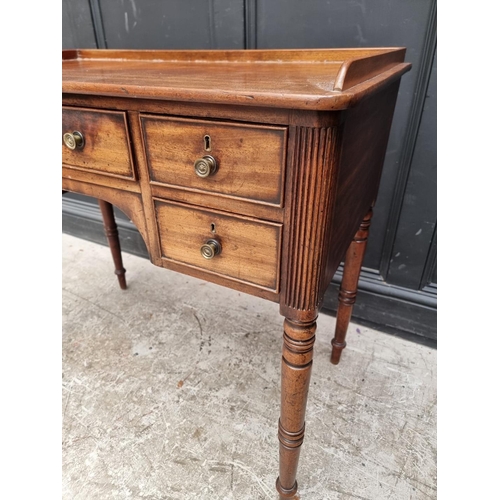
{"x": 171, "y": 391}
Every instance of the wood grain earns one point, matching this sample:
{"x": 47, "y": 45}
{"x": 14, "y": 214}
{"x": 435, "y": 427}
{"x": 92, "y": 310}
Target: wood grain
{"x": 315, "y": 56}
{"x": 250, "y": 158}
{"x": 128, "y": 202}
{"x": 111, "y": 232}
{"x": 211, "y": 111}
{"x": 349, "y": 286}
{"x": 299, "y": 79}
{"x": 296, "y": 366}
{"x": 299, "y": 137}
{"x": 232, "y": 112}
{"x": 134, "y": 122}
{"x": 250, "y": 248}
{"x": 106, "y": 146}
{"x": 365, "y": 135}
{"x": 217, "y": 202}
{"x": 97, "y": 178}
{"x": 311, "y": 191}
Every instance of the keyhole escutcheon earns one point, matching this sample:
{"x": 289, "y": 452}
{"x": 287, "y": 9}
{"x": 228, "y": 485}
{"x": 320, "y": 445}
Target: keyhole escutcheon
{"x": 208, "y": 143}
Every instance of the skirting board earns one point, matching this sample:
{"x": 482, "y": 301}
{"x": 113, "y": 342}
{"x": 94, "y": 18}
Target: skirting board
{"x": 395, "y": 310}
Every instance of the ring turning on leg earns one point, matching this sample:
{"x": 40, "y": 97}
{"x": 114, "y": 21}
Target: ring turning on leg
{"x": 296, "y": 365}
{"x": 111, "y": 232}
{"x": 349, "y": 286}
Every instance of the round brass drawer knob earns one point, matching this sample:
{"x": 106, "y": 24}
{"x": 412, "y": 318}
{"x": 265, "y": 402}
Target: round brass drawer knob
{"x": 205, "y": 166}
{"x": 210, "y": 249}
{"x": 73, "y": 140}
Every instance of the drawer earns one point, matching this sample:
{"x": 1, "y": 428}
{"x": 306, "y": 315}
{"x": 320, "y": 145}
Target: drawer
{"x": 249, "y": 248}
{"x": 105, "y": 146}
{"x": 250, "y": 159}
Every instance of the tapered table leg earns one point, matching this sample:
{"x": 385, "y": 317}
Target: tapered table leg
{"x": 349, "y": 286}
{"x": 111, "y": 232}
{"x": 296, "y": 365}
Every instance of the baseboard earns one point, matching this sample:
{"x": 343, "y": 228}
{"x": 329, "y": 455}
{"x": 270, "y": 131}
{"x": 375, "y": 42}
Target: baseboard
{"x": 390, "y": 314}
{"x": 393, "y": 309}
{"x": 399, "y": 311}
{"x": 83, "y": 220}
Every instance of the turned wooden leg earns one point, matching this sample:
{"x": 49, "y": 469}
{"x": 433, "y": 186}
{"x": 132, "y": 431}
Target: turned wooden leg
{"x": 349, "y": 286}
{"x": 296, "y": 364}
{"x": 111, "y": 232}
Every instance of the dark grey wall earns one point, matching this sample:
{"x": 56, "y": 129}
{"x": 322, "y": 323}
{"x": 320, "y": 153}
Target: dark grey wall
{"x": 398, "y": 283}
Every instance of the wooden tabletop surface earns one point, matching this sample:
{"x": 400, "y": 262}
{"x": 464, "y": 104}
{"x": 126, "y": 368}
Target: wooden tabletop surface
{"x": 320, "y": 79}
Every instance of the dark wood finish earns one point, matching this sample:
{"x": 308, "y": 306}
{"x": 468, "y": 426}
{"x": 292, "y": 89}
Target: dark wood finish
{"x": 250, "y": 248}
{"x": 349, "y": 286}
{"x": 329, "y": 79}
{"x": 298, "y": 171}
{"x": 402, "y": 203}
{"x": 312, "y": 177}
{"x": 111, "y": 232}
{"x": 128, "y": 202}
{"x": 90, "y": 225}
{"x": 106, "y": 147}
{"x": 250, "y": 158}
{"x": 364, "y": 140}
{"x": 213, "y": 200}
{"x": 152, "y": 242}
{"x": 273, "y": 116}
{"x": 312, "y": 172}
{"x": 378, "y": 23}
{"x": 99, "y": 179}
{"x": 296, "y": 366}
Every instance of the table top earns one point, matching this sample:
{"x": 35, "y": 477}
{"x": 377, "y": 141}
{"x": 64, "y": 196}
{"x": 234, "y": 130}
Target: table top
{"x": 319, "y": 79}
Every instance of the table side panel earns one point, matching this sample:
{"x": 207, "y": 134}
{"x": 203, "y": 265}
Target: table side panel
{"x": 364, "y": 141}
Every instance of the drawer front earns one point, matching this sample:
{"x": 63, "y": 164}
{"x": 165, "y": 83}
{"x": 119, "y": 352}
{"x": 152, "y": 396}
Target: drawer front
{"x": 105, "y": 142}
{"x": 249, "y": 249}
{"x": 249, "y": 159}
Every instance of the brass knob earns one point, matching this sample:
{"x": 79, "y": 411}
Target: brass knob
{"x": 205, "y": 166}
{"x": 74, "y": 140}
{"x": 210, "y": 249}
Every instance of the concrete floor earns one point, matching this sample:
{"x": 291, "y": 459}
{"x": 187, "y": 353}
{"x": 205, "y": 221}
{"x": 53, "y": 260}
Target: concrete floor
{"x": 171, "y": 391}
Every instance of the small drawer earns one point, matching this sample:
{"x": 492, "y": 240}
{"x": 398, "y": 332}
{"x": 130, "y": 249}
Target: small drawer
{"x": 99, "y": 139}
{"x": 247, "y": 161}
{"x": 245, "y": 249}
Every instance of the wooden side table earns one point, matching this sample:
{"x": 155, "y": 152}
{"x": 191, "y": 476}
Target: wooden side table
{"x": 256, "y": 170}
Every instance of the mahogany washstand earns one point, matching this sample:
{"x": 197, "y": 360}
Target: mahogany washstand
{"x": 256, "y": 170}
